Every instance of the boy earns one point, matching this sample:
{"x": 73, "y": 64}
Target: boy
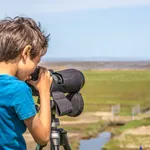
{"x": 22, "y": 44}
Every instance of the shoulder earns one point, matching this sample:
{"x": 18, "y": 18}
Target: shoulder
{"x": 22, "y": 86}
{"x": 19, "y": 87}
{"x": 23, "y": 102}
{"x": 13, "y": 84}
{"x": 22, "y": 92}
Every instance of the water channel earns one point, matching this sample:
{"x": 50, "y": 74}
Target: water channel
{"x": 95, "y": 143}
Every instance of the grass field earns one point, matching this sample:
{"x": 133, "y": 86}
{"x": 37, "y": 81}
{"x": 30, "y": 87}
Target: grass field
{"x": 105, "y": 88}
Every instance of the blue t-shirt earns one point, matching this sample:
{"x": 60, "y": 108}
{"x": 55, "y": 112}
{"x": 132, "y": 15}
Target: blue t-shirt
{"x": 16, "y": 105}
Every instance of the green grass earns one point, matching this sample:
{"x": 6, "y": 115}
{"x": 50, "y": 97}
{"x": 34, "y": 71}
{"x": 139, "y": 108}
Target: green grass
{"x": 106, "y": 88}
{"x": 131, "y": 125}
{"x": 135, "y": 124}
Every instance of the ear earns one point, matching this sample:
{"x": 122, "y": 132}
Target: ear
{"x": 26, "y": 52}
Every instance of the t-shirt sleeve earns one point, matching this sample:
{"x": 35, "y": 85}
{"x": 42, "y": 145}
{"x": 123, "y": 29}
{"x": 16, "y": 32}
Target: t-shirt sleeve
{"x": 24, "y": 103}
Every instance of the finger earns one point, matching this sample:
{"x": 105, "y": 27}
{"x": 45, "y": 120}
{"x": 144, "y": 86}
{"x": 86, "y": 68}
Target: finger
{"x": 51, "y": 78}
{"x": 41, "y": 72}
{"x": 48, "y": 73}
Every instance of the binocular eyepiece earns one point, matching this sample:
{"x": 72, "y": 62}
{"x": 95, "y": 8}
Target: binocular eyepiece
{"x": 57, "y": 77}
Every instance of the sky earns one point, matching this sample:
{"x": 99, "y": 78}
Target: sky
{"x": 89, "y": 29}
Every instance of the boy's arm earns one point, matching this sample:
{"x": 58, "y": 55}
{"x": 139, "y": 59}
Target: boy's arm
{"x": 40, "y": 124}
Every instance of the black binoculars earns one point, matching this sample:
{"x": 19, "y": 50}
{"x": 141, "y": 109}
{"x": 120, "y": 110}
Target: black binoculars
{"x": 65, "y": 91}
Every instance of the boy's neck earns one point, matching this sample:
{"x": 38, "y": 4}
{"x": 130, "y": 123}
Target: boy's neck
{"x": 8, "y": 68}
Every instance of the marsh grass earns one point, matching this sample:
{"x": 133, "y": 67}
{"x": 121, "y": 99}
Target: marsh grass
{"x": 106, "y": 88}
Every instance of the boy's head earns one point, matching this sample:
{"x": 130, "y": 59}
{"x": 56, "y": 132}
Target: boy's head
{"x": 16, "y": 34}
{"x": 21, "y": 39}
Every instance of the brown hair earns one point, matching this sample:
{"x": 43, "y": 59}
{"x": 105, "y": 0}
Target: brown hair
{"x": 18, "y": 32}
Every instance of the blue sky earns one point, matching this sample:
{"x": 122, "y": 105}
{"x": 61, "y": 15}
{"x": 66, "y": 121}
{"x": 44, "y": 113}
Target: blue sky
{"x": 83, "y": 29}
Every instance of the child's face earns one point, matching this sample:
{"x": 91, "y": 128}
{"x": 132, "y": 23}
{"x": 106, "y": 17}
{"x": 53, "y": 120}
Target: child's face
{"x": 26, "y": 67}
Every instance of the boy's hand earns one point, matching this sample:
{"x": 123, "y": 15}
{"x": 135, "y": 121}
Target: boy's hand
{"x": 44, "y": 81}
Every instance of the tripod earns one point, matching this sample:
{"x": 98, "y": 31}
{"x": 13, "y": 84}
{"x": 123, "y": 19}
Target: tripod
{"x": 58, "y": 136}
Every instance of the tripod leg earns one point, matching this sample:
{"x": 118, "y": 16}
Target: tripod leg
{"x": 55, "y": 140}
{"x": 54, "y": 147}
{"x": 64, "y": 140}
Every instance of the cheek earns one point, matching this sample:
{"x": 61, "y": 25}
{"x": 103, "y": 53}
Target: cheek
{"x": 26, "y": 69}
{"x": 31, "y": 68}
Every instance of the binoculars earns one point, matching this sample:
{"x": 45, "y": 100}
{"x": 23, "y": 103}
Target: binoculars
{"x": 65, "y": 91}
